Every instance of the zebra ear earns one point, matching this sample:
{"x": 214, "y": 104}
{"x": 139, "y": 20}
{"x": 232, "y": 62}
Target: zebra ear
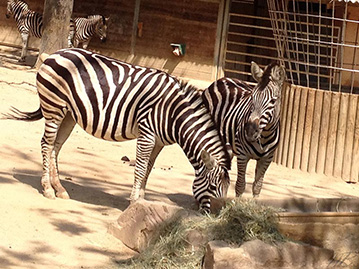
{"x": 256, "y": 71}
{"x": 208, "y": 160}
{"x": 278, "y": 74}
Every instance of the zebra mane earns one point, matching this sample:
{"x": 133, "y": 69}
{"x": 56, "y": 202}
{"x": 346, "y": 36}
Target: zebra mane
{"x": 102, "y": 17}
{"x": 24, "y": 5}
{"x": 266, "y": 76}
{"x": 189, "y": 89}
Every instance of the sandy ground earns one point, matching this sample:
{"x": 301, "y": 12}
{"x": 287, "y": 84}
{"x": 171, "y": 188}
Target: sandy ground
{"x": 39, "y": 233}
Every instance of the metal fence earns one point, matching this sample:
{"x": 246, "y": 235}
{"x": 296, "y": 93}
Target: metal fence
{"x": 318, "y": 42}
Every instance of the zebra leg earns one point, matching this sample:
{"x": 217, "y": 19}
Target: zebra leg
{"x": 145, "y": 146}
{"x": 241, "y": 175}
{"x": 25, "y": 40}
{"x": 156, "y": 150}
{"x": 63, "y": 133}
{"x": 261, "y": 167}
{"x": 51, "y": 142}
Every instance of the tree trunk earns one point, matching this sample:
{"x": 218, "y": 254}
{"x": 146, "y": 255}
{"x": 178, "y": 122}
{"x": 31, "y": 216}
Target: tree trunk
{"x": 56, "y": 20}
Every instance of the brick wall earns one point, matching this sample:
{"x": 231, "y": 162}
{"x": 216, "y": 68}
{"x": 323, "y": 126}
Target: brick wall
{"x": 192, "y": 22}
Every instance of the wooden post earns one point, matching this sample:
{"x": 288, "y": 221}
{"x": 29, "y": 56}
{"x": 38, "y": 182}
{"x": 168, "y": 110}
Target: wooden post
{"x": 136, "y": 15}
{"x": 301, "y": 121}
{"x": 332, "y": 134}
{"x": 342, "y": 120}
{"x": 288, "y": 125}
{"x": 294, "y": 125}
{"x": 323, "y": 135}
{"x": 313, "y": 156}
{"x": 307, "y": 130}
{"x": 349, "y": 138}
{"x": 283, "y": 119}
{"x": 354, "y": 175}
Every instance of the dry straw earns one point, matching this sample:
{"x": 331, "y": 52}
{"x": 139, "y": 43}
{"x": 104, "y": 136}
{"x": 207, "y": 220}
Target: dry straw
{"x": 239, "y": 221}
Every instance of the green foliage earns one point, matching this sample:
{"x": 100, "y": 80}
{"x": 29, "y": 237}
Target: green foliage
{"x": 239, "y": 221}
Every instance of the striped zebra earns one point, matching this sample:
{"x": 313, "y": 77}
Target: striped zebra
{"x": 116, "y": 101}
{"x": 248, "y": 119}
{"x": 28, "y": 22}
{"x": 83, "y": 29}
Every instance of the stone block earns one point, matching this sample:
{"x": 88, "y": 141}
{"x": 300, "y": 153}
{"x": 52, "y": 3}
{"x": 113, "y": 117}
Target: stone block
{"x": 257, "y": 254}
{"x": 140, "y": 221}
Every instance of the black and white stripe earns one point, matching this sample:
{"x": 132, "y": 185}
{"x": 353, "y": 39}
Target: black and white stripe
{"x": 28, "y": 22}
{"x": 83, "y": 29}
{"x": 117, "y": 101}
{"x": 249, "y": 118}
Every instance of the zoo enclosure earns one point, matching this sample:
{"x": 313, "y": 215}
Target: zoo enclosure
{"x": 317, "y": 41}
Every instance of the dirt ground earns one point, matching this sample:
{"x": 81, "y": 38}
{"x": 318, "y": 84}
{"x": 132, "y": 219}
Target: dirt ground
{"x": 36, "y": 232}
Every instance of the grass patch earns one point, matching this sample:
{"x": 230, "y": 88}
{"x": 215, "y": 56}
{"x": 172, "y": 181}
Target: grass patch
{"x": 238, "y": 222}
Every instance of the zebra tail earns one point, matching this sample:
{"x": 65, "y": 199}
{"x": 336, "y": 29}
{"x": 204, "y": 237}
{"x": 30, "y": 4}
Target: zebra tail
{"x": 16, "y": 114}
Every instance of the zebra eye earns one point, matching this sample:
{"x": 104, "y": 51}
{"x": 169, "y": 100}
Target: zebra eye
{"x": 212, "y": 187}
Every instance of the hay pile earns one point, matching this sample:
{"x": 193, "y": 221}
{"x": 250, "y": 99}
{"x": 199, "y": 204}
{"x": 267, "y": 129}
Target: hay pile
{"x": 239, "y": 221}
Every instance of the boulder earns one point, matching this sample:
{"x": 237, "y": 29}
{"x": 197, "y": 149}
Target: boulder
{"x": 257, "y": 254}
{"x": 139, "y": 222}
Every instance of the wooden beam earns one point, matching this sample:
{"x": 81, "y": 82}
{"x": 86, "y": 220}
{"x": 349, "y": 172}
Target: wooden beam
{"x": 134, "y": 26}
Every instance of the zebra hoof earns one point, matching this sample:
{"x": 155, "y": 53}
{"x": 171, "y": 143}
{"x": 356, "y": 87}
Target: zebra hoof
{"x": 49, "y": 193}
{"x": 63, "y": 195}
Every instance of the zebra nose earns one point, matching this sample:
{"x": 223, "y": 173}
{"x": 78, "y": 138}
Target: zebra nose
{"x": 7, "y": 16}
{"x": 103, "y": 39}
{"x": 252, "y": 131}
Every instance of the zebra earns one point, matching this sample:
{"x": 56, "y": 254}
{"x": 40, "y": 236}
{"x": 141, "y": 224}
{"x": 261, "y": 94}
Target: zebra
{"x": 117, "y": 101}
{"x": 28, "y": 22}
{"x": 83, "y": 29}
{"x": 31, "y": 23}
{"x": 249, "y": 119}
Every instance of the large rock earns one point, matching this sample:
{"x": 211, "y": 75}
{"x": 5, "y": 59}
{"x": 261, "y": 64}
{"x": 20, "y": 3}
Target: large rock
{"x": 138, "y": 223}
{"x": 257, "y": 254}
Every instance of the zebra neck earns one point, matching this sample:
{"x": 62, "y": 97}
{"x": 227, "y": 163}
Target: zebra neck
{"x": 19, "y": 10}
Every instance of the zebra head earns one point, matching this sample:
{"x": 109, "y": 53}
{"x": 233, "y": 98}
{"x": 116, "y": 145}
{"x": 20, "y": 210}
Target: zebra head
{"x": 9, "y": 9}
{"x": 101, "y": 28}
{"x": 212, "y": 182}
{"x": 265, "y": 98}
{"x": 15, "y": 8}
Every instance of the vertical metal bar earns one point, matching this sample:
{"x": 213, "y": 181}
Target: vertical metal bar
{"x": 354, "y": 59}
{"x": 222, "y": 35}
{"x": 296, "y": 35}
{"x": 319, "y": 41}
{"x": 342, "y": 46}
{"x": 308, "y": 46}
{"x": 134, "y": 26}
{"x": 332, "y": 49}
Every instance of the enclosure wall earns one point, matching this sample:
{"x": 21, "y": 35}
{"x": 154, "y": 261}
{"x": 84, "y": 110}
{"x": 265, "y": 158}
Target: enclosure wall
{"x": 319, "y": 132}
{"x": 145, "y": 38}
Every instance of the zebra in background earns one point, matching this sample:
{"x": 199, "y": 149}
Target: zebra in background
{"x": 116, "y": 101}
{"x": 248, "y": 119}
{"x": 28, "y": 22}
{"x": 83, "y": 29}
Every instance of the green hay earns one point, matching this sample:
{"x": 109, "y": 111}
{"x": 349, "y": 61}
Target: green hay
{"x": 238, "y": 222}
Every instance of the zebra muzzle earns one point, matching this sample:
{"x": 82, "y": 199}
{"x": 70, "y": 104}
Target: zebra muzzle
{"x": 252, "y": 131}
